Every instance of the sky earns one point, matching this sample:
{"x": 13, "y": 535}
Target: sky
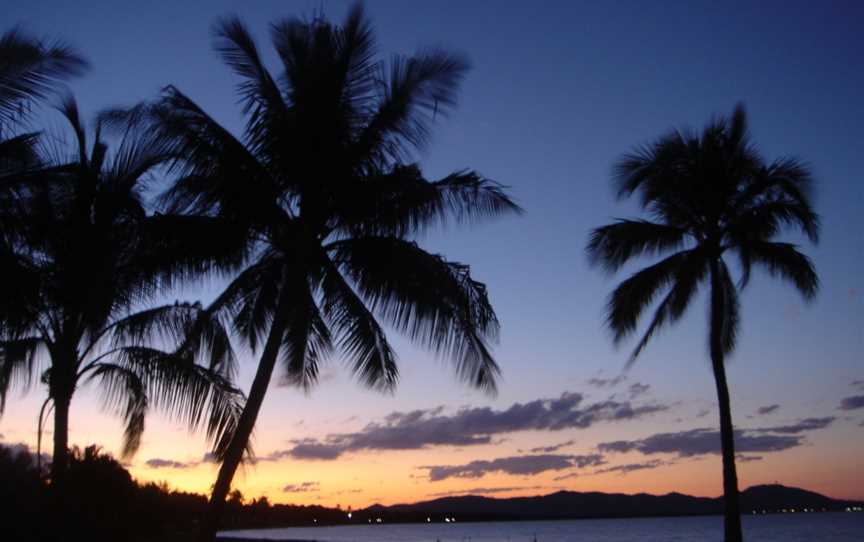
{"x": 558, "y": 92}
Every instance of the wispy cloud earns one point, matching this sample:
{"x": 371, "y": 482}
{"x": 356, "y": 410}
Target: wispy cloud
{"x": 637, "y": 389}
{"x": 747, "y": 458}
{"x": 420, "y": 429}
{"x": 489, "y": 490}
{"x": 553, "y": 448}
{"x": 630, "y": 467}
{"x": 606, "y": 382}
{"x": 159, "y": 463}
{"x": 807, "y": 424}
{"x": 852, "y": 403}
{"x": 704, "y": 441}
{"x": 768, "y": 409}
{"x": 304, "y": 487}
{"x": 516, "y": 465}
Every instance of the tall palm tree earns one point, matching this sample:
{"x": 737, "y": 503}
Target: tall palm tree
{"x": 319, "y": 200}
{"x": 84, "y": 257}
{"x": 707, "y": 195}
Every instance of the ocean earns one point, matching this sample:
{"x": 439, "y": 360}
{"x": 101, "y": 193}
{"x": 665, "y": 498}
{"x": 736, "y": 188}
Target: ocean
{"x": 816, "y": 527}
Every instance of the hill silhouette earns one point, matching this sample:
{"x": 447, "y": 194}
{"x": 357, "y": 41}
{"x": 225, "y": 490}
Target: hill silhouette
{"x": 575, "y": 505}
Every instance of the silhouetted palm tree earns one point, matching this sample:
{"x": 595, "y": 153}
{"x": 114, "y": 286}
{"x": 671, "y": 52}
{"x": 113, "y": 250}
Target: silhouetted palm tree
{"x": 317, "y": 200}
{"x": 707, "y": 194}
{"x": 83, "y": 256}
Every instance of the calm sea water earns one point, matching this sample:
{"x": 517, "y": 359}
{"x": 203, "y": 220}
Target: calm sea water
{"x": 826, "y": 527}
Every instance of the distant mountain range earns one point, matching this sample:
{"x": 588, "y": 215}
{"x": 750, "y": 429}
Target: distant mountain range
{"x": 573, "y": 505}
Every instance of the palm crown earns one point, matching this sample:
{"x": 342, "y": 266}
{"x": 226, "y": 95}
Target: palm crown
{"x": 81, "y": 261}
{"x": 707, "y": 194}
{"x": 319, "y": 202}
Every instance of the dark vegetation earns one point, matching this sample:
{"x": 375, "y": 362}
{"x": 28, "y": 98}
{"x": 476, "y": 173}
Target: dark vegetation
{"x": 108, "y": 505}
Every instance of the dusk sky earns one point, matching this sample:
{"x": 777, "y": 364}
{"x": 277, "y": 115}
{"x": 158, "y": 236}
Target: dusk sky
{"x": 558, "y": 91}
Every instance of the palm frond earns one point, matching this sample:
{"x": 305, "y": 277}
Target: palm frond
{"x": 186, "y": 327}
{"x": 615, "y": 244}
{"x": 262, "y": 100}
{"x": 18, "y": 157}
{"x": 635, "y": 294}
{"x": 780, "y": 193}
{"x": 402, "y": 202}
{"x": 686, "y": 282}
{"x": 178, "y": 248}
{"x": 415, "y": 91}
{"x": 252, "y": 297}
{"x": 784, "y": 260}
{"x": 174, "y": 384}
{"x": 68, "y": 107}
{"x": 124, "y": 392}
{"x": 31, "y": 69}
{"x": 307, "y": 340}
{"x": 435, "y": 302}
{"x": 731, "y": 313}
{"x": 18, "y": 363}
{"x": 358, "y": 333}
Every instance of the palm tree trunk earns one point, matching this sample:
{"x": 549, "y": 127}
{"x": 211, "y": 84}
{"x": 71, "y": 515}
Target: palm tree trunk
{"x": 240, "y": 440}
{"x": 59, "y": 465}
{"x": 60, "y": 459}
{"x": 732, "y": 512}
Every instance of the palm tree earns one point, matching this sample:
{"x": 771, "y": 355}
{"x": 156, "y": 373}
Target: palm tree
{"x": 708, "y": 195}
{"x": 318, "y": 199}
{"x": 83, "y": 257}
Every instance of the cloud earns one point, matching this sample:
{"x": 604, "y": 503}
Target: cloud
{"x": 700, "y": 442}
{"x": 309, "y": 449}
{"x": 520, "y": 465}
{"x": 209, "y": 457}
{"x": 304, "y": 487}
{"x": 606, "y": 382}
{"x": 553, "y": 448}
{"x": 487, "y": 490}
{"x": 852, "y": 403}
{"x": 747, "y": 458}
{"x": 695, "y": 442}
{"x": 807, "y": 424}
{"x": 702, "y": 413}
{"x": 347, "y": 491}
{"x": 158, "y": 463}
{"x": 420, "y": 429}
{"x": 857, "y": 384}
{"x": 630, "y": 467}
{"x": 769, "y": 409}
{"x": 637, "y": 388}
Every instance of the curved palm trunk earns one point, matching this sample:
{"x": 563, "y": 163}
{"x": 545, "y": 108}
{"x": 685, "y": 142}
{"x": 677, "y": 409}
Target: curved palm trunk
{"x": 732, "y": 512}
{"x": 240, "y": 440}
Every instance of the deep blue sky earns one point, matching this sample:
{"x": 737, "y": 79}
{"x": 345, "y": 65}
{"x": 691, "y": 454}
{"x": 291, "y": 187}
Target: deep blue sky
{"x": 559, "y": 90}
